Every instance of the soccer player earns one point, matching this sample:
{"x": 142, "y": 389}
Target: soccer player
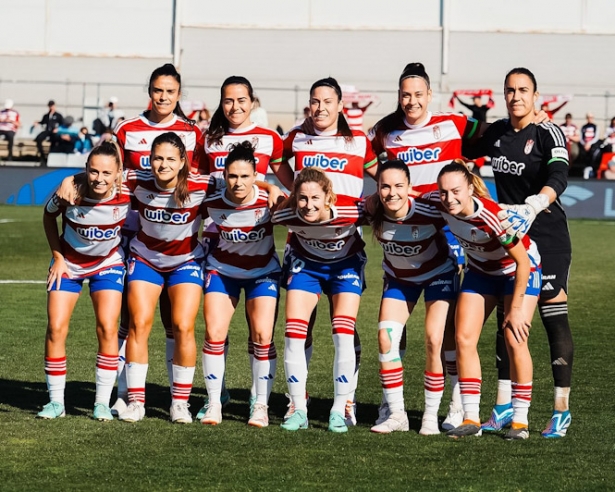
{"x": 89, "y": 248}
{"x": 416, "y": 259}
{"x": 426, "y": 142}
{"x": 165, "y": 253}
{"x": 499, "y": 266}
{"x": 530, "y": 167}
{"x": 325, "y": 141}
{"x": 231, "y": 124}
{"x": 243, "y": 258}
{"x": 325, "y": 255}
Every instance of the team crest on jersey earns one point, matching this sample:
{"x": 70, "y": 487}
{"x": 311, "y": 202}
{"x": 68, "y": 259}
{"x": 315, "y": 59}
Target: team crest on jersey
{"x": 116, "y": 213}
{"x": 258, "y": 214}
{"x": 290, "y": 279}
{"x": 415, "y": 232}
{"x": 529, "y": 145}
{"x": 131, "y": 267}
{"x": 338, "y": 231}
{"x": 436, "y": 132}
{"x": 207, "y": 280}
{"x": 473, "y": 234}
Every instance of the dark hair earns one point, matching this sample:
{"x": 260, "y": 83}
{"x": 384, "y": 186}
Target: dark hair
{"x": 377, "y": 217}
{"x": 219, "y": 125}
{"x": 342, "y": 125}
{"x": 459, "y": 166}
{"x": 241, "y": 151}
{"x": 568, "y": 115}
{"x": 393, "y": 120}
{"x": 522, "y": 71}
{"x": 169, "y": 70}
{"x": 312, "y": 175}
{"x": 107, "y": 148}
{"x": 181, "y": 190}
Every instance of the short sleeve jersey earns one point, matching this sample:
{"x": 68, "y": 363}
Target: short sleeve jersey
{"x": 245, "y": 249}
{"x": 415, "y": 249}
{"x": 483, "y": 239}
{"x": 343, "y": 161}
{"x": 427, "y": 147}
{"x": 135, "y": 137}
{"x": 91, "y": 232}
{"x": 324, "y": 242}
{"x": 168, "y": 233}
{"x": 267, "y": 143}
{"x": 523, "y": 162}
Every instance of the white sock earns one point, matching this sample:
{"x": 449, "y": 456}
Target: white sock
{"x": 136, "y": 374}
{"x": 253, "y": 369}
{"x": 470, "y": 398}
{"x": 213, "y": 369}
{"x": 309, "y": 351}
{"x": 392, "y": 381}
{"x": 182, "y": 383}
{"x": 264, "y": 371}
{"x": 106, "y": 371}
{"x": 521, "y": 400}
{"x": 450, "y": 357}
{"x": 55, "y": 375}
{"x": 504, "y": 395}
{"x": 434, "y": 388}
{"x": 295, "y": 364}
{"x": 344, "y": 361}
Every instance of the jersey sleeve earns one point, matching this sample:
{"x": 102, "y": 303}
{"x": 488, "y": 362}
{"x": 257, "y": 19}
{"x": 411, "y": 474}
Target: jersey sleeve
{"x": 556, "y": 157}
{"x": 370, "y": 156}
{"x": 277, "y": 154}
{"x": 120, "y": 138}
{"x": 198, "y": 156}
{"x": 482, "y": 146}
{"x": 287, "y": 145}
{"x": 53, "y": 207}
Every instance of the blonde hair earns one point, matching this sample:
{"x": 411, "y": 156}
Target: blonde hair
{"x": 461, "y": 166}
{"x": 312, "y": 175}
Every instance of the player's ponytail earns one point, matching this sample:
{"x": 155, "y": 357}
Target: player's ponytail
{"x": 219, "y": 125}
{"x": 241, "y": 151}
{"x": 460, "y": 166}
{"x": 181, "y": 192}
{"x": 169, "y": 70}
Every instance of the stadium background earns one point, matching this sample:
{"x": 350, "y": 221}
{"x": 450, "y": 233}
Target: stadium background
{"x": 81, "y": 52}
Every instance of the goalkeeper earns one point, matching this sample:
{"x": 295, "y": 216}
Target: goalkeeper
{"x": 530, "y": 167}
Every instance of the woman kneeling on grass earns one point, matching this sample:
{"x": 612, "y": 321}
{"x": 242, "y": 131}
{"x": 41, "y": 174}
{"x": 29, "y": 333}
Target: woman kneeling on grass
{"x": 244, "y": 258}
{"x": 416, "y": 259}
{"x": 89, "y": 248}
{"x": 499, "y": 266}
{"x": 325, "y": 254}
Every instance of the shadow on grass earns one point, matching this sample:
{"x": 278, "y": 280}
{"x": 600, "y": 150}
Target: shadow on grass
{"x": 79, "y": 398}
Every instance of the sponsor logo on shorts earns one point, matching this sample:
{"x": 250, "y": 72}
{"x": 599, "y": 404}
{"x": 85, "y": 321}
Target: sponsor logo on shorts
{"x": 322, "y": 246}
{"x": 397, "y": 249}
{"x": 418, "y": 156}
{"x": 321, "y": 161}
{"x": 503, "y": 165}
{"x": 98, "y": 234}
{"x": 207, "y": 280}
{"x": 239, "y": 236}
{"x": 164, "y": 217}
{"x": 549, "y": 277}
{"x": 347, "y": 276}
{"x": 131, "y": 266}
{"x": 111, "y": 271}
{"x": 548, "y": 286}
{"x": 189, "y": 267}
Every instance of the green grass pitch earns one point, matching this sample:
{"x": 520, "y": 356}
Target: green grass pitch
{"x": 77, "y": 453}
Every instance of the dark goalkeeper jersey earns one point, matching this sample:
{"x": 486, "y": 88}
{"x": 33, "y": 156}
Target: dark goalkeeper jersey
{"x": 523, "y": 162}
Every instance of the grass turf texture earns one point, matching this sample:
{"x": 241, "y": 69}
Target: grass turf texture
{"x": 76, "y": 453}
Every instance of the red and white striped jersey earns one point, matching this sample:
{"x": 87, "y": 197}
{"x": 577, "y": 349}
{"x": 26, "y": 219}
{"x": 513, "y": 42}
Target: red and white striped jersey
{"x": 268, "y": 150}
{"x": 342, "y": 161}
{"x": 483, "y": 239}
{"x": 168, "y": 232}
{"x": 427, "y": 147}
{"x": 9, "y": 120}
{"x": 135, "y": 137}
{"x": 91, "y": 232}
{"x": 324, "y": 242}
{"x": 414, "y": 246}
{"x": 245, "y": 247}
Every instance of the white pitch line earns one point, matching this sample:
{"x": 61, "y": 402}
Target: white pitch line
{"x": 22, "y": 282}
{"x": 6, "y": 221}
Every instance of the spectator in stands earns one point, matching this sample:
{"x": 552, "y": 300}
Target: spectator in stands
{"x": 258, "y": 115}
{"x": 203, "y": 119}
{"x": 306, "y": 114}
{"x": 84, "y": 144}
{"x": 354, "y": 114}
{"x": 610, "y": 131}
{"x": 479, "y": 111}
{"x": 551, "y": 112}
{"x": 108, "y": 117}
{"x": 610, "y": 171}
{"x": 9, "y": 124}
{"x": 589, "y": 141}
{"x": 64, "y": 137}
{"x": 571, "y": 132}
{"x": 50, "y": 121}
